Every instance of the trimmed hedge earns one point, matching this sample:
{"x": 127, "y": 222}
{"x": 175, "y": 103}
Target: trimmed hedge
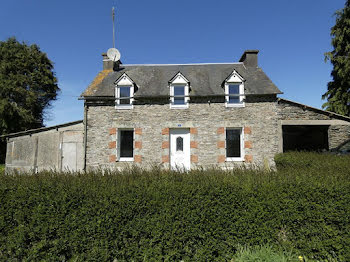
{"x": 161, "y": 215}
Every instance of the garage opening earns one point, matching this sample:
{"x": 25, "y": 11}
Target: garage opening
{"x": 305, "y": 138}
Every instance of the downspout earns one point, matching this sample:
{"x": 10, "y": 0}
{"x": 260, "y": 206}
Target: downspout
{"x": 85, "y": 133}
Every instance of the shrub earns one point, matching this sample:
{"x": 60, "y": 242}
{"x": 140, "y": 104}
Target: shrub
{"x": 163, "y": 215}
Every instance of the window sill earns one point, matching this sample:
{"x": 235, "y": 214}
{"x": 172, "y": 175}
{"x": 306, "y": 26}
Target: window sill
{"x": 235, "y": 105}
{"x": 234, "y": 159}
{"x": 124, "y": 107}
{"x": 179, "y": 106}
{"x": 126, "y": 159}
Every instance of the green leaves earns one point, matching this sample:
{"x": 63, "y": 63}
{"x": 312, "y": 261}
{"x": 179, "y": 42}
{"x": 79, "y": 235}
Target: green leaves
{"x": 338, "y": 92}
{"x": 159, "y": 215}
{"x": 27, "y": 86}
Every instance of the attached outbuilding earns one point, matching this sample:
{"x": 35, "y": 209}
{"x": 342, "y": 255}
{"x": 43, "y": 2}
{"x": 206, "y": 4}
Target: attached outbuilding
{"x": 305, "y": 128}
{"x": 59, "y": 148}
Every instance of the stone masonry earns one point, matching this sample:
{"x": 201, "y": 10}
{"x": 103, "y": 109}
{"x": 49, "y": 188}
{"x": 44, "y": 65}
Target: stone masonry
{"x": 260, "y": 120}
{"x": 207, "y": 123}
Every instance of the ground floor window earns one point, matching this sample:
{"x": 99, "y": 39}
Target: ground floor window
{"x": 234, "y": 144}
{"x": 125, "y": 144}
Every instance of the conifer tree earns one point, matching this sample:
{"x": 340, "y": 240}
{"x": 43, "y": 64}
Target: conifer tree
{"x": 338, "y": 92}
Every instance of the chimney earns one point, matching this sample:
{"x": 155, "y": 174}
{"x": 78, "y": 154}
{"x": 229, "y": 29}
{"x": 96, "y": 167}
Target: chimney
{"x": 107, "y": 63}
{"x": 250, "y": 58}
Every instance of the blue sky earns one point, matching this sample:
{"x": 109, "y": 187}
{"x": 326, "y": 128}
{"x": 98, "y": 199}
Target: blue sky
{"x": 292, "y": 37}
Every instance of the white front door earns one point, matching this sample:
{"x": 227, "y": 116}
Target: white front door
{"x": 180, "y": 149}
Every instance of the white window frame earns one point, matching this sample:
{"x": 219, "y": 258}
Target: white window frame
{"x": 124, "y": 81}
{"x": 125, "y": 159}
{"x": 235, "y": 159}
{"x": 234, "y": 79}
{"x": 179, "y": 80}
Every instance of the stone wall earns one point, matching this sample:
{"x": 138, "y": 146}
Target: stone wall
{"x": 338, "y": 134}
{"x": 206, "y": 122}
{"x": 261, "y": 120}
{"x": 291, "y": 111}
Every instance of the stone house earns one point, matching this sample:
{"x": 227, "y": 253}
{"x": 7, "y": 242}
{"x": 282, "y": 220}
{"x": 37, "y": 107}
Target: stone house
{"x": 178, "y": 116}
{"x": 189, "y": 115}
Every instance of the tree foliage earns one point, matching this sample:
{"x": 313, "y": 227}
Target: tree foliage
{"x": 338, "y": 93}
{"x": 27, "y": 86}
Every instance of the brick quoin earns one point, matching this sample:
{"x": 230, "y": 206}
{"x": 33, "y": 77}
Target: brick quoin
{"x": 112, "y": 131}
{"x": 165, "y": 131}
{"x": 112, "y": 144}
{"x": 221, "y": 158}
{"x": 165, "y": 144}
{"x": 193, "y": 130}
{"x": 247, "y": 130}
{"x": 194, "y": 158}
{"x": 112, "y": 158}
{"x": 221, "y": 130}
{"x": 248, "y": 144}
{"x": 194, "y": 144}
{"x": 221, "y": 144}
{"x": 138, "y": 131}
{"x": 248, "y": 158}
{"x": 138, "y": 158}
{"x": 165, "y": 159}
{"x": 138, "y": 144}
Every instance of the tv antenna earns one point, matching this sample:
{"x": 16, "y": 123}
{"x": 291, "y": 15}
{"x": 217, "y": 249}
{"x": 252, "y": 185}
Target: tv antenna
{"x": 113, "y": 27}
{"x": 113, "y": 53}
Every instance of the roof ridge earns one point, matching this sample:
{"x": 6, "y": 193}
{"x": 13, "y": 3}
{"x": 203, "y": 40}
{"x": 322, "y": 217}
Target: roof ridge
{"x": 231, "y": 63}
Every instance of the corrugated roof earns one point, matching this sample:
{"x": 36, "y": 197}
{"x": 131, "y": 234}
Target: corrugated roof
{"x": 205, "y": 79}
{"x": 38, "y": 130}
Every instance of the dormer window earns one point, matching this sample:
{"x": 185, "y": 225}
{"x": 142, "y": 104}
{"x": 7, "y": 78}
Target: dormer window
{"x": 234, "y": 90}
{"x": 179, "y": 91}
{"x": 124, "y": 92}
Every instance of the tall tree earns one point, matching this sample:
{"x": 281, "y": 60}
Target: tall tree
{"x": 27, "y": 86}
{"x": 338, "y": 93}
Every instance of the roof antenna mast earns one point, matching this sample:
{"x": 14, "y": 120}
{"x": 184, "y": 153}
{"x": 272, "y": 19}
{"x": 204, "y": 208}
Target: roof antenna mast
{"x": 113, "y": 27}
{"x": 113, "y": 53}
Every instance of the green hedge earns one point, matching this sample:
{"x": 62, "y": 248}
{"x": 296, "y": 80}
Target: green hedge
{"x": 158, "y": 215}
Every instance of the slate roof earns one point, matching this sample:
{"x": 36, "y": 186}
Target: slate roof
{"x": 205, "y": 79}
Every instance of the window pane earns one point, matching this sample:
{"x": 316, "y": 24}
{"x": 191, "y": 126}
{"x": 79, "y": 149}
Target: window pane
{"x": 233, "y": 89}
{"x": 179, "y": 101}
{"x": 179, "y": 91}
{"x": 126, "y": 143}
{"x": 124, "y": 92}
{"x": 233, "y": 143}
{"x": 179, "y": 144}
